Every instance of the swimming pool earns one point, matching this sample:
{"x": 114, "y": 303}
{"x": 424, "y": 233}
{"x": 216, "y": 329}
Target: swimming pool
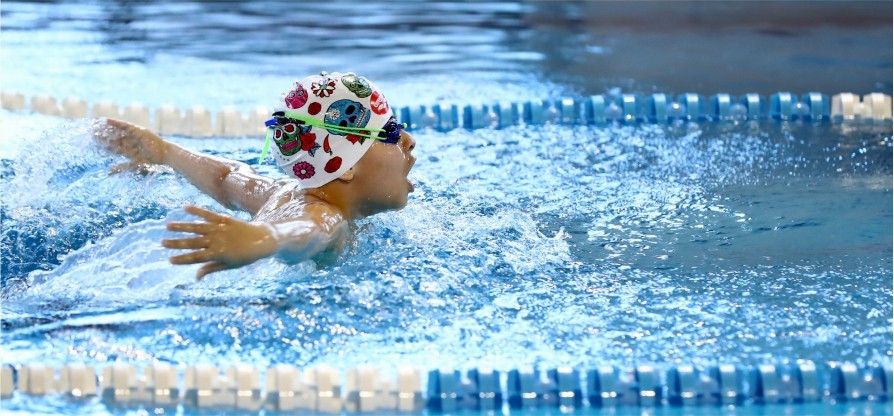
{"x": 743, "y": 243}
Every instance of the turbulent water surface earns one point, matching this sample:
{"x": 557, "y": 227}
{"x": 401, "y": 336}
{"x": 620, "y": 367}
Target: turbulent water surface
{"x": 547, "y": 245}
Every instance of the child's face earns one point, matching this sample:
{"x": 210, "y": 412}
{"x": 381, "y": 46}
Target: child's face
{"x": 381, "y": 174}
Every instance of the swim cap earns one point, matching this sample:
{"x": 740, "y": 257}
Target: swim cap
{"x": 325, "y": 124}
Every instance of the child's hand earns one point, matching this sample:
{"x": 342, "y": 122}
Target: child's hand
{"x": 222, "y": 242}
{"x": 141, "y": 146}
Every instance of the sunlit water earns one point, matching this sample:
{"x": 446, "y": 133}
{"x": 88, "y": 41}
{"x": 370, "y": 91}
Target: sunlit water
{"x": 552, "y": 245}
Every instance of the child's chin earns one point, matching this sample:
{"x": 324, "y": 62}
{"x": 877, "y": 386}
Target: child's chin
{"x": 400, "y": 202}
{"x": 394, "y": 204}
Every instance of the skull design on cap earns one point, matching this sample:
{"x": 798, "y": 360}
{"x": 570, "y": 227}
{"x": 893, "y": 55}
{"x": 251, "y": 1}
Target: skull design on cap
{"x": 357, "y": 85}
{"x": 286, "y": 138}
{"x": 297, "y": 97}
{"x": 346, "y": 113}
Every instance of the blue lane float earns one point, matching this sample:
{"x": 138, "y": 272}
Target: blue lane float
{"x": 565, "y": 388}
{"x": 754, "y": 104}
{"x": 444, "y": 393}
{"x": 566, "y": 111}
{"x": 818, "y": 105}
{"x": 656, "y": 108}
{"x": 533, "y": 113}
{"x": 412, "y": 116}
{"x": 721, "y": 107}
{"x": 522, "y": 389}
{"x": 486, "y": 394}
{"x": 683, "y": 386}
{"x": 603, "y": 387}
{"x": 448, "y": 116}
{"x": 693, "y": 106}
{"x": 628, "y": 105}
{"x": 650, "y": 388}
{"x": 594, "y": 110}
{"x": 784, "y": 106}
{"x": 507, "y": 114}
{"x": 474, "y": 116}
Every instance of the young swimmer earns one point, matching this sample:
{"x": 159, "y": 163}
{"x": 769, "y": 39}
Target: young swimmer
{"x": 335, "y": 137}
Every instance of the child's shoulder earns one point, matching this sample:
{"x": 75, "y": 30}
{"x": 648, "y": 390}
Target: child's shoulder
{"x": 291, "y": 201}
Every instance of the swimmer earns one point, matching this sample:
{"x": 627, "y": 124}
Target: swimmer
{"x": 345, "y": 155}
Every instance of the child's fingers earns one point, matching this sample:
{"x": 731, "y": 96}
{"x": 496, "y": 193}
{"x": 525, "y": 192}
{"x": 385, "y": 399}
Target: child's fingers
{"x": 209, "y": 216}
{"x": 201, "y": 228}
{"x": 106, "y": 134}
{"x": 192, "y": 258}
{"x": 117, "y": 123}
{"x": 186, "y": 243}
{"x": 111, "y": 129}
{"x": 122, "y": 124}
{"x": 211, "y": 267}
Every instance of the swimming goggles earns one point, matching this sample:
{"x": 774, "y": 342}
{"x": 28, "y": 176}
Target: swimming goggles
{"x": 389, "y": 133}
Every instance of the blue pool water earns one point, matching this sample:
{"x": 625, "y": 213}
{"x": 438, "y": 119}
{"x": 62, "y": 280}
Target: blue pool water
{"x": 700, "y": 243}
{"x": 540, "y": 246}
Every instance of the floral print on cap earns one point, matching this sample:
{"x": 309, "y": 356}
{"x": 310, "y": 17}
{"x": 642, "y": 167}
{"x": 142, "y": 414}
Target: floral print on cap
{"x": 323, "y": 88}
{"x": 303, "y": 170}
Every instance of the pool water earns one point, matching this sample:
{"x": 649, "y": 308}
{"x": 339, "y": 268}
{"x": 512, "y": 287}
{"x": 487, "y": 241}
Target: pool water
{"x": 526, "y": 246}
{"x": 702, "y": 243}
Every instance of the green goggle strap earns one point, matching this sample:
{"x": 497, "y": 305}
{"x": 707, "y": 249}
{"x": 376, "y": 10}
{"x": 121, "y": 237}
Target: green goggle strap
{"x": 266, "y": 146}
{"x": 310, "y": 121}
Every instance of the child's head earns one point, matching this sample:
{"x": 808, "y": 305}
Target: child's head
{"x": 325, "y": 126}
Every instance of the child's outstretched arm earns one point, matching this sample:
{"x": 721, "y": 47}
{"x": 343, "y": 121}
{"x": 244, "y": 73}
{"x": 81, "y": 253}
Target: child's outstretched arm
{"x": 233, "y": 184}
{"x": 222, "y": 242}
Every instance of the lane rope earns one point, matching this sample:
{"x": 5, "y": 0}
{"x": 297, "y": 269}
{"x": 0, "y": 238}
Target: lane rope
{"x": 197, "y": 121}
{"x": 365, "y": 389}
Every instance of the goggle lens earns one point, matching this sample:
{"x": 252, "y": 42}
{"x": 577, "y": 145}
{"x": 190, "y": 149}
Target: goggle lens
{"x": 391, "y": 132}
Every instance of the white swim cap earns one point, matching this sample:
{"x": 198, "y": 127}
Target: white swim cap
{"x": 326, "y": 124}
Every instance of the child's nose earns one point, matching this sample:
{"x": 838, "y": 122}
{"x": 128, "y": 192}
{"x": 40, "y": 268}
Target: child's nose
{"x": 407, "y": 141}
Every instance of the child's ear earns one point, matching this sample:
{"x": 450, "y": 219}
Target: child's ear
{"x": 348, "y": 176}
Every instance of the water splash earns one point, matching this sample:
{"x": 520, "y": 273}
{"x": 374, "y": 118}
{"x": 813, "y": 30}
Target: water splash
{"x": 62, "y": 197}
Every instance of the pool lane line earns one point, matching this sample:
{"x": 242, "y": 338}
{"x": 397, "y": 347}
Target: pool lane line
{"x": 368, "y": 389}
{"x": 658, "y": 108}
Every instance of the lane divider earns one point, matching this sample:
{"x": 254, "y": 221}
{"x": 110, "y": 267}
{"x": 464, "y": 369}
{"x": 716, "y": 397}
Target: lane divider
{"x": 197, "y": 121}
{"x": 321, "y": 389}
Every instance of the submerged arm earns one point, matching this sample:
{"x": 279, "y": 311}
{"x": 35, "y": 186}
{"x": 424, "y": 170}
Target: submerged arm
{"x": 223, "y": 242}
{"x": 231, "y": 183}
